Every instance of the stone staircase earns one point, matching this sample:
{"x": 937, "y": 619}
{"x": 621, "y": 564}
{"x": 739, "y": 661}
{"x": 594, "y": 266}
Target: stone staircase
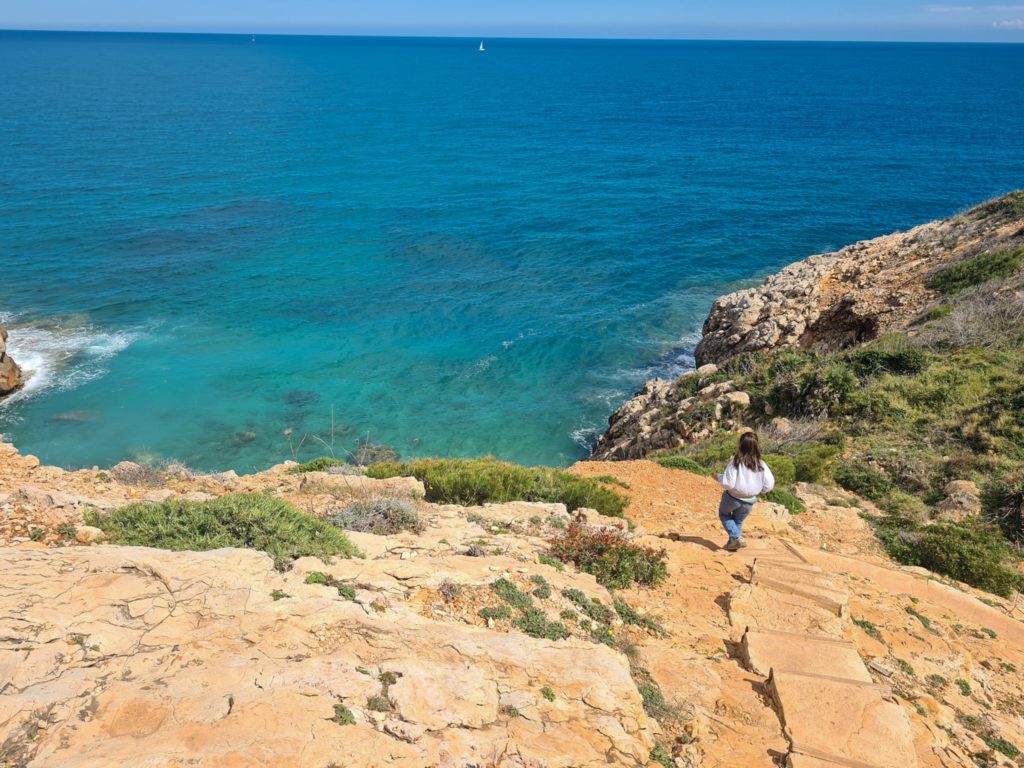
{"x": 793, "y": 616}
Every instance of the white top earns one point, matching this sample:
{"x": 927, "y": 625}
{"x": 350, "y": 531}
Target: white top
{"x": 744, "y": 483}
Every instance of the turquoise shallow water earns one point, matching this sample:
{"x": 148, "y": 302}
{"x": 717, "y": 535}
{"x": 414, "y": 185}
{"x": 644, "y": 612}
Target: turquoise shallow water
{"x": 464, "y": 253}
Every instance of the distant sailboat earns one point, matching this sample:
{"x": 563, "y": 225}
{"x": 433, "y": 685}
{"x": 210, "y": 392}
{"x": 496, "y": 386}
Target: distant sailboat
{"x": 482, "y": 49}
{"x": 254, "y": 38}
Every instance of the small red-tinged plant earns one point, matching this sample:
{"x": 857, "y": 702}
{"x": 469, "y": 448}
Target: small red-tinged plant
{"x": 610, "y": 556}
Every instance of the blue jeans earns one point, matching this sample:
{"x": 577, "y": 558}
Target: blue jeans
{"x": 732, "y": 512}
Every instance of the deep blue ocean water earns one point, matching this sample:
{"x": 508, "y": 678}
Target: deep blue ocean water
{"x": 205, "y": 241}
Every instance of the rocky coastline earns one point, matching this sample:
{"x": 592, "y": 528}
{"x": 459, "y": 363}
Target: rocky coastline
{"x": 827, "y": 302}
{"x": 11, "y": 379}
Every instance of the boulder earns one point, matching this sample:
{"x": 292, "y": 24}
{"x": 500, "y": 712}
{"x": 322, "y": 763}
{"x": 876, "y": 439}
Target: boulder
{"x": 10, "y": 374}
{"x": 962, "y": 500}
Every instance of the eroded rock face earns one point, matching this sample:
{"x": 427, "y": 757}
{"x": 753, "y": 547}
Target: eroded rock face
{"x": 669, "y": 414}
{"x": 837, "y": 300}
{"x": 10, "y": 373}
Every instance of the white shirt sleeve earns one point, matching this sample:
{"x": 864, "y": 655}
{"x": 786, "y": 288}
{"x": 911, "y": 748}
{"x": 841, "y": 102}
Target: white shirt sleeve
{"x": 769, "y": 478}
{"x": 728, "y": 477}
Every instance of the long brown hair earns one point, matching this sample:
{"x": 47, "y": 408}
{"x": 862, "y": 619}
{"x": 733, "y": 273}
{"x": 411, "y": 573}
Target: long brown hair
{"x": 749, "y": 452}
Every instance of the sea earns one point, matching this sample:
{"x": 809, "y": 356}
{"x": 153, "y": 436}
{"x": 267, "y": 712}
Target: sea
{"x": 230, "y": 251}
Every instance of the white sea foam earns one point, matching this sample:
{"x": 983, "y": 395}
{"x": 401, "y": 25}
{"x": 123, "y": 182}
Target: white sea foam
{"x": 57, "y": 358}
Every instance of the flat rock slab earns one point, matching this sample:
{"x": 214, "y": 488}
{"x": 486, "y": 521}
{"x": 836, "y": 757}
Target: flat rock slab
{"x": 826, "y": 716}
{"x": 771, "y": 650}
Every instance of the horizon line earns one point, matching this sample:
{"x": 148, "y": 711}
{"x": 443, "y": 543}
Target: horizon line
{"x": 580, "y": 38}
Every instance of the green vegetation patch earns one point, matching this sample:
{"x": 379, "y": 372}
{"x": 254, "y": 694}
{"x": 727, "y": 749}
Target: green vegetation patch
{"x": 684, "y": 463}
{"x": 250, "y": 521}
{"x": 968, "y": 551}
{"x": 629, "y": 615}
{"x": 473, "y": 482}
{"x": 786, "y": 499}
{"x": 321, "y": 464}
{"x": 972, "y": 272}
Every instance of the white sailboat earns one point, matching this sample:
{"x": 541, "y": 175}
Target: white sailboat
{"x": 482, "y": 49}
{"x": 254, "y": 38}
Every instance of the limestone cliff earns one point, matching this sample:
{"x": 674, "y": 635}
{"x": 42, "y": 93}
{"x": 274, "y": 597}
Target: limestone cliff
{"x": 836, "y": 300}
{"x": 10, "y": 373}
{"x": 829, "y": 302}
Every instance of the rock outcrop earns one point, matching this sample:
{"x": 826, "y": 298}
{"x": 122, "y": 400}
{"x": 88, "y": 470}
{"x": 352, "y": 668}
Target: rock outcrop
{"x": 836, "y": 300}
{"x": 10, "y": 373}
{"x": 669, "y": 414}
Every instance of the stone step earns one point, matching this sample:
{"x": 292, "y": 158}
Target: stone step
{"x": 758, "y": 607}
{"x": 765, "y": 650}
{"x": 815, "y": 586}
{"x": 802, "y": 760}
{"x": 824, "y": 716}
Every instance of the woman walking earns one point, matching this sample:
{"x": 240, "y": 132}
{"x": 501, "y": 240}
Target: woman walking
{"x": 744, "y": 479}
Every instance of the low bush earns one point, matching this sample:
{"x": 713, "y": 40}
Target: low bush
{"x": 967, "y": 274}
{"x": 366, "y": 454}
{"x": 786, "y": 499}
{"x": 534, "y": 622}
{"x": 471, "y": 482}
{"x": 629, "y": 615}
{"x": 591, "y": 607}
{"x": 316, "y": 465}
{"x": 810, "y": 461}
{"x": 1003, "y": 502}
{"x": 610, "y": 556}
{"x": 862, "y": 479}
{"x": 967, "y": 551}
{"x": 901, "y": 362}
{"x": 251, "y": 521}
{"x": 682, "y": 462}
{"x": 782, "y": 468}
{"x": 383, "y": 517}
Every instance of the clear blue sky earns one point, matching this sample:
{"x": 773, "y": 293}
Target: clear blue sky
{"x": 730, "y": 19}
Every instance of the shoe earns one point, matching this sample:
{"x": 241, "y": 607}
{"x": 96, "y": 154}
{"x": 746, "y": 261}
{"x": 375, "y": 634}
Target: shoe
{"x": 743, "y": 543}
{"x": 732, "y": 545}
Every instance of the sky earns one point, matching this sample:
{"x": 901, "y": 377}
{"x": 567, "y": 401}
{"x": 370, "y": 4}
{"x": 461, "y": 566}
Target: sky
{"x": 684, "y": 19}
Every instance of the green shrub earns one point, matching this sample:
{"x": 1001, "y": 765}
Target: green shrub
{"x": 662, "y": 756}
{"x": 609, "y": 555}
{"x": 251, "y": 521}
{"x": 862, "y": 479}
{"x": 591, "y": 607}
{"x": 472, "y": 482}
{"x": 872, "y": 361}
{"x": 967, "y": 551}
{"x": 534, "y": 622}
{"x": 897, "y": 502}
{"x": 629, "y": 615}
{"x": 383, "y": 517}
{"x": 1003, "y": 502}
{"x": 343, "y": 715}
{"x": 967, "y": 274}
{"x": 684, "y": 463}
{"x": 316, "y": 465}
{"x": 547, "y": 693}
{"x": 782, "y": 468}
{"x": 811, "y": 460}
{"x": 497, "y": 613}
{"x": 511, "y": 594}
{"x": 786, "y": 499}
